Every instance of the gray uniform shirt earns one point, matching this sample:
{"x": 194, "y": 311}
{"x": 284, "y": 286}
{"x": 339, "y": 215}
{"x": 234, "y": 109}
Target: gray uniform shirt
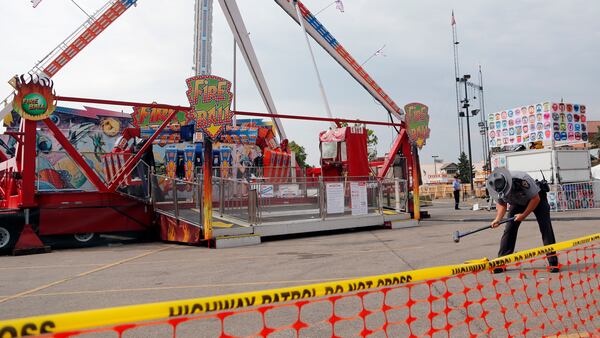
{"x": 523, "y": 189}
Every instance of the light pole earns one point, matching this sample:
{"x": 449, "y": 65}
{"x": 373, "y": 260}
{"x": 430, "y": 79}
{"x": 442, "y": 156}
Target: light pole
{"x": 434, "y": 164}
{"x": 486, "y": 149}
{"x": 487, "y": 157}
{"x": 466, "y": 105}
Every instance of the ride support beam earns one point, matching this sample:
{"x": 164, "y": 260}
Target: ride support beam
{"x": 76, "y": 156}
{"x": 396, "y": 147}
{"x": 28, "y": 164}
{"x": 207, "y": 191}
{"x": 415, "y": 189}
{"x": 120, "y": 103}
{"x": 20, "y": 149}
{"x": 244, "y": 113}
{"x": 18, "y": 136}
{"x": 135, "y": 159}
{"x": 322, "y": 119}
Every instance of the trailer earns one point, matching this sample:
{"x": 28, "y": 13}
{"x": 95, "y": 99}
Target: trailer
{"x": 558, "y": 166}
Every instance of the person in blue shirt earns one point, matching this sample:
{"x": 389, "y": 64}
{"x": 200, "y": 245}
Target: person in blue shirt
{"x": 521, "y": 193}
{"x": 456, "y": 186}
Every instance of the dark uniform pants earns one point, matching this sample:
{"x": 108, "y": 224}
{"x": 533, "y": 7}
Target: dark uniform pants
{"x": 542, "y": 214}
{"x": 456, "y": 198}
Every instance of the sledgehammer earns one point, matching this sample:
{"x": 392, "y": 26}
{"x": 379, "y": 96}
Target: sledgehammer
{"x": 457, "y": 235}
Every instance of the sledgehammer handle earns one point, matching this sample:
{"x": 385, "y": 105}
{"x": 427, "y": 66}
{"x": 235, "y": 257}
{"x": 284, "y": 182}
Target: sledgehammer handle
{"x": 506, "y": 220}
{"x": 486, "y": 227}
{"x": 476, "y": 230}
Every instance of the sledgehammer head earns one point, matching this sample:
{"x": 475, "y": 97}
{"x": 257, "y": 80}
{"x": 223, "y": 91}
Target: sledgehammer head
{"x": 456, "y": 236}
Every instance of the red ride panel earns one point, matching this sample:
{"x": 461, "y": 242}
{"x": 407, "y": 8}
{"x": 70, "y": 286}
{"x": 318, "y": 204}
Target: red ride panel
{"x": 71, "y": 213}
{"x": 99, "y": 219}
{"x": 356, "y": 149}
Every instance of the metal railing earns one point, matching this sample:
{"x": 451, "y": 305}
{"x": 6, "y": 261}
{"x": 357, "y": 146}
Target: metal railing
{"x": 249, "y": 172}
{"x": 252, "y": 199}
{"x": 395, "y": 194}
{"x": 285, "y": 199}
{"x": 232, "y": 199}
{"x": 177, "y": 198}
{"x": 263, "y": 200}
{"x": 244, "y": 193}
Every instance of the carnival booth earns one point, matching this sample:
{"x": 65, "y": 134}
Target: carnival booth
{"x": 550, "y": 139}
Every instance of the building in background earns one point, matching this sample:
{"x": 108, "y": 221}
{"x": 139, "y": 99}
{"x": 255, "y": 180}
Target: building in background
{"x": 450, "y": 169}
{"x": 438, "y": 173}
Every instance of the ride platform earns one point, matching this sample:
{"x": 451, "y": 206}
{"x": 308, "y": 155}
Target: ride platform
{"x": 232, "y": 231}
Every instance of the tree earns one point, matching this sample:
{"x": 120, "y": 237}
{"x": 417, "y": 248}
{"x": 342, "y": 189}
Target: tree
{"x": 300, "y": 154}
{"x": 372, "y": 141}
{"x": 595, "y": 140}
{"x": 463, "y": 168}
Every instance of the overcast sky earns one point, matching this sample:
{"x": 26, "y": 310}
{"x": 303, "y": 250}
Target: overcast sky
{"x": 530, "y": 50}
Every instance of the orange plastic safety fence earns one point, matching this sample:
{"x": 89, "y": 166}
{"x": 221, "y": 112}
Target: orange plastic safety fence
{"x": 525, "y": 301}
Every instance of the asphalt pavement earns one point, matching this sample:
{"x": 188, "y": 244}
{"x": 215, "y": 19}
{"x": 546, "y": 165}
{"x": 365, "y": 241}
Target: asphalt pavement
{"x": 123, "y": 274}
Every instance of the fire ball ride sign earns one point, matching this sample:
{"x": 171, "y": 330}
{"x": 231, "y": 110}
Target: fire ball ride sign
{"x": 34, "y": 100}
{"x": 210, "y": 97}
{"x": 150, "y": 116}
{"x": 417, "y": 123}
{"x": 417, "y": 128}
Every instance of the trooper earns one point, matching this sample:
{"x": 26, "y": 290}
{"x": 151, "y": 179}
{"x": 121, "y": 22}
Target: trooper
{"x": 523, "y": 195}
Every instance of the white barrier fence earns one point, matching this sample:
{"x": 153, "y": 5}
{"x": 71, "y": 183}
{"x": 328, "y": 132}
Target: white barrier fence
{"x": 575, "y": 196}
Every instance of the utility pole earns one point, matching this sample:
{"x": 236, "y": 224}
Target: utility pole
{"x": 455, "y": 45}
{"x": 487, "y": 149}
{"x": 466, "y": 105}
{"x": 434, "y": 163}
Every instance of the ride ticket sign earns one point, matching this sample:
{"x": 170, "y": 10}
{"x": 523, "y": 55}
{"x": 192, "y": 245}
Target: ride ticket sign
{"x": 210, "y": 97}
{"x": 417, "y": 123}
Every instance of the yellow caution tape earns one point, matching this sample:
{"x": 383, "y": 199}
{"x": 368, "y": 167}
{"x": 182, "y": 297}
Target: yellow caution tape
{"x": 217, "y": 224}
{"x": 477, "y": 261}
{"x": 81, "y": 320}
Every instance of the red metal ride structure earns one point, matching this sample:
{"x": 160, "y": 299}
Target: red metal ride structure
{"x": 25, "y": 213}
{"x": 331, "y": 45}
{"x": 28, "y": 213}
